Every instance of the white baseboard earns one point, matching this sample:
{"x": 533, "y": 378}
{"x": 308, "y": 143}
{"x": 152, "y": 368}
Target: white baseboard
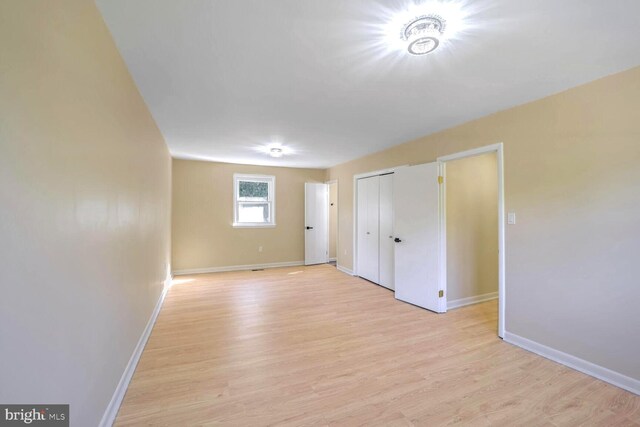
{"x": 461, "y": 302}
{"x": 333, "y": 259}
{"x": 238, "y": 268}
{"x": 597, "y": 371}
{"x": 110, "y": 414}
{"x": 344, "y": 270}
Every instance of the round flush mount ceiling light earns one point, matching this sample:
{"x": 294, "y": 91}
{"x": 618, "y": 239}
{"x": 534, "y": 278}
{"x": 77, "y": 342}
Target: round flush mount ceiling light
{"x": 422, "y": 34}
{"x": 420, "y": 27}
{"x": 276, "y": 152}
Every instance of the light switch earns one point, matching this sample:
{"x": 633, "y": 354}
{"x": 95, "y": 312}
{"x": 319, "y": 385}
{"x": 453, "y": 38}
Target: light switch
{"x": 511, "y": 218}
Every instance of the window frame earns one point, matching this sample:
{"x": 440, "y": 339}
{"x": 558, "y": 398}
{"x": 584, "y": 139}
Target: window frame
{"x": 271, "y": 199}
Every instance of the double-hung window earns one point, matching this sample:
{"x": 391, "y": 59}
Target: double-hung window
{"x": 254, "y": 198}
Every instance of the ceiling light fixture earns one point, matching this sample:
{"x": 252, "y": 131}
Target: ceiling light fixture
{"x": 276, "y": 152}
{"x": 422, "y": 34}
{"x": 422, "y": 26}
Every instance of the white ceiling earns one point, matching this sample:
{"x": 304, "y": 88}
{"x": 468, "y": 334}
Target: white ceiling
{"x": 223, "y": 78}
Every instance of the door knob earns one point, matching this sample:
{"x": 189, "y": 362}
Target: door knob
{"x": 397, "y": 240}
{"x": 309, "y": 228}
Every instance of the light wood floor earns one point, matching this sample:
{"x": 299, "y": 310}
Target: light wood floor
{"x": 313, "y": 346}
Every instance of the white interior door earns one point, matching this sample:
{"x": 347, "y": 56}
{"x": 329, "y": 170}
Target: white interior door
{"x": 386, "y": 231}
{"x": 416, "y": 230}
{"x": 316, "y": 208}
{"x": 368, "y": 228}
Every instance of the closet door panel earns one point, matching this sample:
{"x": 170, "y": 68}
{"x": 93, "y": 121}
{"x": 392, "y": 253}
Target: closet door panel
{"x": 368, "y": 228}
{"x": 386, "y": 247}
{"x": 362, "y": 225}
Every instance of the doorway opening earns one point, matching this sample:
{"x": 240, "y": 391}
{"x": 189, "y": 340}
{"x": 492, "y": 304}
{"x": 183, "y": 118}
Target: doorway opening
{"x": 321, "y": 223}
{"x": 472, "y": 230}
{"x": 333, "y": 222}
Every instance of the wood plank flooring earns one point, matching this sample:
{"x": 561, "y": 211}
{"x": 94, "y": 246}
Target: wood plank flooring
{"x": 314, "y": 346}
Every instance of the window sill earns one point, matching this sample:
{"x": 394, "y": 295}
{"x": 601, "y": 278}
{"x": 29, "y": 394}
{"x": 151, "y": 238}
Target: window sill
{"x": 252, "y": 225}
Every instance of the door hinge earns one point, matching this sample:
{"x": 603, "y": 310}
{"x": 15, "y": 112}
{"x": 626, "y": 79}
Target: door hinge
{"x": 440, "y": 294}
{"x": 440, "y": 179}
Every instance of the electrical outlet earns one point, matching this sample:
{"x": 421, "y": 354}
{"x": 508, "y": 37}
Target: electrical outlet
{"x": 511, "y": 218}
{"x": 259, "y": 248}
{"x": 345, "y": 251}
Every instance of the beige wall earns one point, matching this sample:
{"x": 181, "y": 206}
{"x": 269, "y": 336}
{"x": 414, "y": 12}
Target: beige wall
{"x": 472, "y": 226}
{"x": 333, "y": 219}
{"x": 84, "y": 212}
{"x": 202, "y": 232}
{"x": 572, "y": 171}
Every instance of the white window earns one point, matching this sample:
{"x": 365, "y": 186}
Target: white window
{"x": 254, "y": 200}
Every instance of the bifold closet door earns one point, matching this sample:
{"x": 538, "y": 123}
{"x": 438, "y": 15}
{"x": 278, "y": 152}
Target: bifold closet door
{"x": 386, "y": 231}
{"x": 368, "y": 228}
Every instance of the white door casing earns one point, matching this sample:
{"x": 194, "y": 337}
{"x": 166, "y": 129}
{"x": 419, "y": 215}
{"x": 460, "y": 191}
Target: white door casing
{"x": 416, "y": 196}
{"x": 316, "y": 206}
